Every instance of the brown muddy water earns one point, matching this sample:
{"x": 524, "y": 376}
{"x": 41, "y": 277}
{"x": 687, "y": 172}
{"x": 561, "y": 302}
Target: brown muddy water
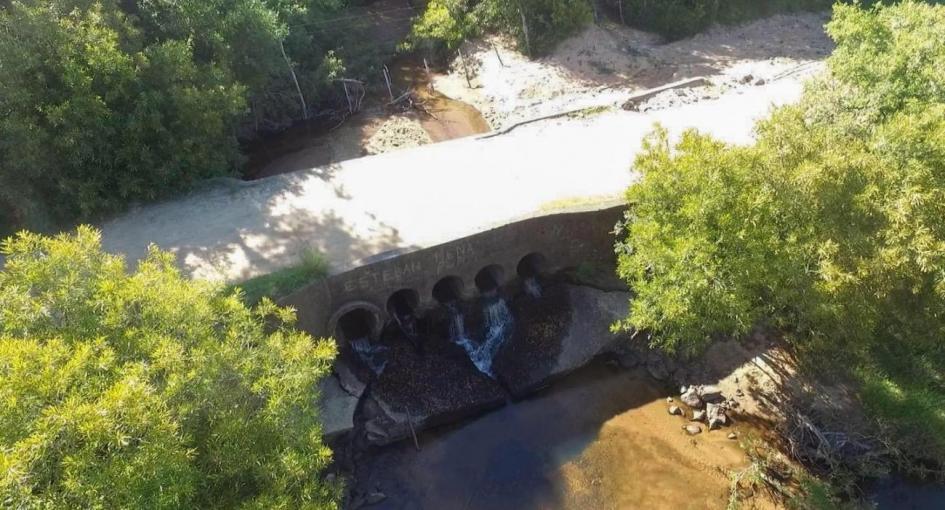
{"x": 600, "y": 439}
{"x": 318, "y": 143}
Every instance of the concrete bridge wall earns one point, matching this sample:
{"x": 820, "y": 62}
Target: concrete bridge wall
{"x": 363, "y": 295}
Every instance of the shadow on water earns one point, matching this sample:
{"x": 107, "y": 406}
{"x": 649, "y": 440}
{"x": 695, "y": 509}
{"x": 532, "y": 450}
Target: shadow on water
{"x": 902, "y": 494}
{"x": 599, "y": 439}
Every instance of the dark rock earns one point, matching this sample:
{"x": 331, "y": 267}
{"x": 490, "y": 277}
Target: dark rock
{"x": 691, "y": 398}
{"x": 710, "y": 393}
{"x": 692, "y": 429}
{"x": 681, "y": 375}
{"x": 628, "y": 359}
{"x": 746, "y": 79}
{"x": 337, "y": 408}
{"x": 560, "y": 332}
{"x": 349, "y": 378}
{"x": 760, "y": 81}
{"x": 426, "y": 387}
{"x": 656, "y": 366}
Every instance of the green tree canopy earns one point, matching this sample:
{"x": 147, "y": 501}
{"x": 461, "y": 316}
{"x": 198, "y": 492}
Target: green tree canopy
{"x": 831, "y": 227}
{"x": 107, "y": 102}
{"x": 147, "y": 390}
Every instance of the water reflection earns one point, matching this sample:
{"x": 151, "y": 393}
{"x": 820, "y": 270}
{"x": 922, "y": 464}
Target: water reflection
{"x": 601, "y": 439}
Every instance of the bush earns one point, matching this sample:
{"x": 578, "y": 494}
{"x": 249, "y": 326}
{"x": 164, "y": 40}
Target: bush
{"x": 146, "y": 390}
{"x": 446, "y": 23}
{"x": 107, "y": 102}
{"x": 831, "y": 227}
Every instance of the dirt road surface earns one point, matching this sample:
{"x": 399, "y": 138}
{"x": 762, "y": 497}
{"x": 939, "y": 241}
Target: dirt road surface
{"x": 422, "y": 196}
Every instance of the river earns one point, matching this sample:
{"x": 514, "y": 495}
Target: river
{"x": 326, "y": 141}
{"x": 599, "y": 439}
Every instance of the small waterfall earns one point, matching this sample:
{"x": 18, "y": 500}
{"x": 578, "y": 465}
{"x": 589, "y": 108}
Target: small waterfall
{"x": 532, "y": 287}
{"x": 374, "y": 356}
{"x": 458, "y": 333}
{"x": 498, "y": 327}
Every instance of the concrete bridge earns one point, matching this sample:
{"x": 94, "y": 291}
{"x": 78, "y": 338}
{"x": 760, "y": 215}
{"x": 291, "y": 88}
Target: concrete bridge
{"x": 358, "y": 302}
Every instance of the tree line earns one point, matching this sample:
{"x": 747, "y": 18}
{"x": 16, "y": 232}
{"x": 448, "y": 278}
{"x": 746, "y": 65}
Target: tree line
{"x": 108, "y": 102}
{"x": 829, "y": 229}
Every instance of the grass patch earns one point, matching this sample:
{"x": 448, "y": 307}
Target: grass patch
{"x": 573, "y": 202}
{"x": 312, "y": 266}
{"x": 903, "y": 388}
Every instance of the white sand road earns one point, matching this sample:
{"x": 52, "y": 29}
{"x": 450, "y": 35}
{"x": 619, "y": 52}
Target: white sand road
{"x": 423, "y": 196}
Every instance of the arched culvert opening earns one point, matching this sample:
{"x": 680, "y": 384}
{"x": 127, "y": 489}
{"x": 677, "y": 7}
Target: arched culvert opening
{"x": 448, "y": 290}
{"x": 357, "y": 328}
{"x": 489, "y": 279}
{"x": 356, "y": 324}
{"x": 402, "y": 307}
{"x": 532, "y": 265}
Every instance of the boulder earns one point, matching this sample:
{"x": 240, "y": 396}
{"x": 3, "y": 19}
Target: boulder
{"x": 656, "y": 366}
{"x": 627, "y": 359}
{"x": 547, "y": 345}
{"x": 710, "y": 393}
{"x": 691, "y": 398}
{"x": 716, "y": 416}
{"x": 692, "y": 429}
{"x": 337, "y": 408}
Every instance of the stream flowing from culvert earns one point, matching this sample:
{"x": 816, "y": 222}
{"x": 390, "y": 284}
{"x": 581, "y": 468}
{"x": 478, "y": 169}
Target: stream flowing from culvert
{"x": 601, "y": 438}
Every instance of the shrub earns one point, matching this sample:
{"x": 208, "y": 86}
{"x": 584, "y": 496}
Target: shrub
{"x": 831, "y": 227}
{"x": 446, "y": 23}
{"x": 146, "y": 390}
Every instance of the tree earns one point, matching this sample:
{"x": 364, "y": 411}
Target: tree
{"x": 107, "y": 102}
{"x": 537, "y": 25}
{"x": 94, "y": 118}
{"x": 147, "y": 390}
{"x": 831, "y": 227}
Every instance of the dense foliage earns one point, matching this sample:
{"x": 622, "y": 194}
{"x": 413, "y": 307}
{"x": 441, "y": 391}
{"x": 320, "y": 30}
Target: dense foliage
{"x": 147, "y": 390}
{"x": 104, "y": 102}
{"x": 831, "y": 227}
{"x": 537, "y": 25}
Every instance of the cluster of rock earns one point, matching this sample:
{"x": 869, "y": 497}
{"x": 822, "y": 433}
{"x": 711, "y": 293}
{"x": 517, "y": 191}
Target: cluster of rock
{"x": 708, "y": 406}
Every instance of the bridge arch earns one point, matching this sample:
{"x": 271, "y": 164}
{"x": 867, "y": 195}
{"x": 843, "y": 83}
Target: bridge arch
{"x": 490, "y": 278}
{"x": 354, "y": 320}
{"x": 532, "y": 265}
{"x": 403, "y": 302}
{"x": 448, "y": 289}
